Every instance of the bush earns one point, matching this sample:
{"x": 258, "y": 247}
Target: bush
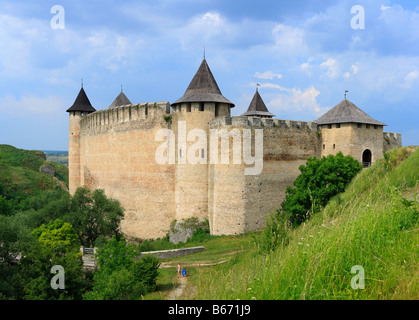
{"x": 320, "y": 180}
{"x": 146, "y": 271}
{"x": 120, "y": 277}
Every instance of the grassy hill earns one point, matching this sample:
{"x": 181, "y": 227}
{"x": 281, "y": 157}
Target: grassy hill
{"x": 20, "y": 176}
{"x": 374, "y": 224}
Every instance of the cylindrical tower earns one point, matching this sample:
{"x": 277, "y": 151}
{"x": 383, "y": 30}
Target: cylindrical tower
{"x": 80, "y": 107}
{"x": 191, "y": 114}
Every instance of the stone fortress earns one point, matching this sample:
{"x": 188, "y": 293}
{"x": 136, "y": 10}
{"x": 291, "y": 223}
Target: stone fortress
{"x": 115, "y": 149}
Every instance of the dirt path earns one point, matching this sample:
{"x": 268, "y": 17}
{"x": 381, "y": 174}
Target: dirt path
{"x": 175, "y": 293}
{"x": 178, "y": 291}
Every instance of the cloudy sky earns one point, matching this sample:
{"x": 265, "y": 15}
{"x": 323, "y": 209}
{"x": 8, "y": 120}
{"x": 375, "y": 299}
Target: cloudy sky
{"x": 304, "y": 54}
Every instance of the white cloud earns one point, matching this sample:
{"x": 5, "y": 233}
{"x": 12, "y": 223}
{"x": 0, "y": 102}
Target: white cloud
{"x": 31, "y": 105}
{"x": 289, "y": 41}
{"x": 410, "y": 79}
{"x": 331, "y": 68}
{"x": 267, "y": 75}
{"x": 295, "y": 99}
{"x": 354, "y": 70}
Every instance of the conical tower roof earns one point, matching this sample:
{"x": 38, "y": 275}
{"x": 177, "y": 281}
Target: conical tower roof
{"x": 257, "y": 107}
{"x": 203, "y": 88}
{"x": 120, "y": 100}
{"x": 82, "y": 103}
{"x": 346, "y": 112}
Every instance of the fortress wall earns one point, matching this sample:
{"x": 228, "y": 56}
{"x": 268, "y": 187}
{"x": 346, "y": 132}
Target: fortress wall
{"x": 287, "y": 145}
{"x": 391, "y": 140}
{"x": 117, "y": 154}
{"x": 239, "y": 202}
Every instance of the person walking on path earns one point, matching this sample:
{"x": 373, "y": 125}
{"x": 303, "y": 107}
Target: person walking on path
{"x": 179, "y": 268}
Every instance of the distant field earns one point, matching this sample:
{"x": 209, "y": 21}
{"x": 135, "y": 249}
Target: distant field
{"x": 57, "y": 156}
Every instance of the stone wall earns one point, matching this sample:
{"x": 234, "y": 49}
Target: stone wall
{"x": 391, "y": 140}
{"x": 240, "y": 202}
{"x": 117, "y": 154}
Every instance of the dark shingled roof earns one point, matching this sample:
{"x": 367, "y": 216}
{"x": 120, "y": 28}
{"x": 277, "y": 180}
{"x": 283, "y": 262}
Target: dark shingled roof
{"x": 82, "y": 103}
{"x": 257, "y": 107}
{"x": 346, "y": 112}
{"x": 120, "y": 100}
{"x": 203, "y": 88}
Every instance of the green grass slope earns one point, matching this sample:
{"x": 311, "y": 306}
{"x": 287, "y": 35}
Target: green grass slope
{"x": 373, "y": 224}
{"x": 20, "y": 176}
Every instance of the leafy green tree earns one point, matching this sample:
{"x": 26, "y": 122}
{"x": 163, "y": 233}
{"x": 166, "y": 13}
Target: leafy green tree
{"x": 10, "y": 284}
{"x": 54, "y": 244}
{"x": 5, "y": 207}
{"x": 120, "y": 276}
{"x": 146, "y": 270}
{"x": 92, "y": 215}
{"x": 57, "y": 235}
{"x": 116, "y": 255}
{"x": 119, "y": 285}
{"x": 320, "y": 179}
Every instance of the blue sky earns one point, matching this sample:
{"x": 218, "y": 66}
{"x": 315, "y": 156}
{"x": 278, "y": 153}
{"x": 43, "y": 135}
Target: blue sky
{"x": 304, "y": 54}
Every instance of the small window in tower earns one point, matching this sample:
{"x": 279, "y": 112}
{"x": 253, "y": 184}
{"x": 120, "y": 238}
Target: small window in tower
{"x": 329, "y": 126}
{"x": 180, "y": 153}
{"x": 375, "y": 127}
{"x": 338, "y": 125}
{"x": 217, "y": 109}
{"x": 324, "y": 147}
{"x": 201, "y": 106}
{"x": 334, "y": 146}
{"x": 367, "y": 126}
{"x": 188, "y": 107}
{"x": 359, "y": 125}
{"x": 202, "y": 153}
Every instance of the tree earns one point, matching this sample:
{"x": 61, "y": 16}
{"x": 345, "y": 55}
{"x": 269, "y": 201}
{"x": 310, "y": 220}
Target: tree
{"x": 320, "y": 179}
{"x": 55, "y": 244}
{"x": 146, "y": 270}
{"x": 120, "y": 276}
{"x": 9, "y": 270}
{"x": 93, "y": 215}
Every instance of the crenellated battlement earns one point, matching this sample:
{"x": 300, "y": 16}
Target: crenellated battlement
{"x": 391, "y": 140}
{"x": 392, "y": 136}
{"x": 105, "y": 119}
{"x": 257, "y": 122}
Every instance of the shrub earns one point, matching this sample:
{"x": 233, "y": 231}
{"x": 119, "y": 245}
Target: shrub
{"x": 320, "y": 180}
{"x": 145, "y": 271}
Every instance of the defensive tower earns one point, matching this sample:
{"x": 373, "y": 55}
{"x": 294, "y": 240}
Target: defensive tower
{"x": 201, "y": 103}
{"x": 77, "y": 111}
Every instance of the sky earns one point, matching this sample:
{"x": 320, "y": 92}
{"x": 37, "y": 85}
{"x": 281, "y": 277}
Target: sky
{"x": 304, "y": 55}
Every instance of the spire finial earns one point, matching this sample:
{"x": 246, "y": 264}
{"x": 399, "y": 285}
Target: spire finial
{"x": 121, "y": 87}
{"x": 82, "y": 82}
{"x": 346, "y": 91}
{"x": 204, "y": 52}
{"x": 257, "y": 85}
